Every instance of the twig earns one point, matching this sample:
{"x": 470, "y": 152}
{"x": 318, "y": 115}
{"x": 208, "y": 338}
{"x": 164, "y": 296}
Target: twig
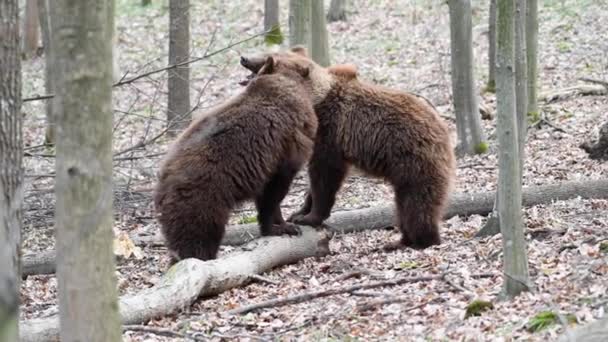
{"x": 156, "y": 71}
{"x": 157, "y": 331}
{"x": 330, "y": 292}
{"x": 591, "y": 80}
{"x": 372, "y": 304}
{"x": 262, "y": 279}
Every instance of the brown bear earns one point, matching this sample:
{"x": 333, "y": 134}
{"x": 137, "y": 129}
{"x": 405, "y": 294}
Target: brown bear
{"x": 250, "y": 147}
{"x": 387, "y": 133}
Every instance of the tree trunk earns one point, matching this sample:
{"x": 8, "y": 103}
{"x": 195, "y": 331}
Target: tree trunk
{"x": 271, "y": 14}
{"x": 45, "y": 27}
{"x": 337, "y": 11}
{"x": 491, "y": 87}
{"x": 190, "y": 278}
{"x": 178, "y": 107}
{"x": 464, "y": 94}
{"x": 11, "y": 174}
{"x": 83, "y": 88}
{"x": 299, "y": 22}
{"x": 532, "y": 55}
{"x": 30, "y": 29}
{"x": 320, "y": 43}
{"x": 509, "y": 175}
{"x": 342, "y": 222}
{"x": 521, "y": 79}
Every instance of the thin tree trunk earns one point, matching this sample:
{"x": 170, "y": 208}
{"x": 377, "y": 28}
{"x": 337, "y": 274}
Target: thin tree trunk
{"x": 83, "y": 88}
{"x": 299, "y": 22}
{"x": 491, "y": 87}
{"x": 532, "y": 55}
{"x": 179, "y": 78}
{"x": 146, "y": 2}
{"x": 521, "y": 81}
{"x": 337, "y": 10}
{"x": 509, "y": 183}
{"x": 11, "y": 174}
{"x": 320, "y": 42}
{"x": 45, "y": 27}
{"x": 30, "y": 29}
{"x": 470, "y": 137}
{"x": 271, "y": 14}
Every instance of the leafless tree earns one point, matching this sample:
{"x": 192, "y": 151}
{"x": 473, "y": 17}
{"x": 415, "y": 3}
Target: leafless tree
{"x": 320, "y": 42}
{"x": 178, "y": 106}
{"x": 11, "y": 174}
{"x": 509, "y": 175}
{"x": 31, "y": 32}
{"x": 83, "y": 87}
{"x": 471, "y": 139}
{"x": 299, "y": 22}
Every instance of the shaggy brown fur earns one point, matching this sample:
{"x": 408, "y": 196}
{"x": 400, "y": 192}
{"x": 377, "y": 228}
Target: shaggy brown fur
{"x": 248, "y": 148}
{"x": 386, "y": 133}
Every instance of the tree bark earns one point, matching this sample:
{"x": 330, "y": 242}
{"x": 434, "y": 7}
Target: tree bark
{"x": 11, "y": 172}
{"x": 83, "y": 89}
{"x": 299, "y": 22}
{"x": 30, "y": 29}
{"x": 271, "y": 14}
{"x": 320, "y": 42}
{"x": 509, "y": 175}
{"x": 532, "y": 55}
{"x": 491, "y": 87}
{"x": 521, "y": 80}
{"x": 351, "y": 221}
{"x": 337, "y": 11}
{"x": 178, "y": 106}
{"x": 45, "y": 27}
{"x": 190, "y": 278}
{"x": 464, "y": 94}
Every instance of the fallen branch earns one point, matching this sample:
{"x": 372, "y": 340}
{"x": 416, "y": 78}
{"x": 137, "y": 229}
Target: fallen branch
{"x": 188, "y": 279}
{"x": 578, "y": 90}
{"x": 346, "y": 289}
{"x": 351, "y": 221}
{"x": 372, "y": 304}
{"x": 273, "y": 303}
{"x": 156, "y": 71}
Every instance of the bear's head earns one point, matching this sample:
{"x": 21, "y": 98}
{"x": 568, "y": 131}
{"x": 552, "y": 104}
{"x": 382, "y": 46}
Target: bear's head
{"x": 291, "y": 62}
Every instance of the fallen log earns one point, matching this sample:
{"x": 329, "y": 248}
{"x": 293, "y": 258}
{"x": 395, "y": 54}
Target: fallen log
{"x": 570, "y": 92}
{"x": 342, "y": 222}
{"x": 188, "y": 279}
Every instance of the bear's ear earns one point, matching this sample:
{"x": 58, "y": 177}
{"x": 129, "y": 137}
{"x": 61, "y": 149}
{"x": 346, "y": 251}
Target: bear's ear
{"x": 348, "y": 71}
{"x": 300, "y": 50}
{"x": 268, "y": 66}
{"x": 305, "y": 71}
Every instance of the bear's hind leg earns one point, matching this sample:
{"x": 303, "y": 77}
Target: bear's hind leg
{"x": 268, "y": 203}
{"x": 419, "y": 214}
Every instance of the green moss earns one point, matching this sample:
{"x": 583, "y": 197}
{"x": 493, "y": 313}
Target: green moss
{"x": 476, "y": 307}
{"x": 604, "y": 247}
{"x": 482, "y": 147}
{"x": 546, "y": 319}
{"x": 408, "y": 265}
{"x": 274, "y": 36}
{"x": 533, "y": 117}
{"x": 248, "y": 219}
{"x": 491, "y": 86}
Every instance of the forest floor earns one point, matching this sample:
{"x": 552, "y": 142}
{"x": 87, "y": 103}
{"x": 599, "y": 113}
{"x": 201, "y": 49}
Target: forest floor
{"x": 402, "y": 44}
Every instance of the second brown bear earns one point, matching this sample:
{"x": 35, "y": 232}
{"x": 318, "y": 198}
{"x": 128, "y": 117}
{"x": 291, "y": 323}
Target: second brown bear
{"x": 391, "y": 134}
